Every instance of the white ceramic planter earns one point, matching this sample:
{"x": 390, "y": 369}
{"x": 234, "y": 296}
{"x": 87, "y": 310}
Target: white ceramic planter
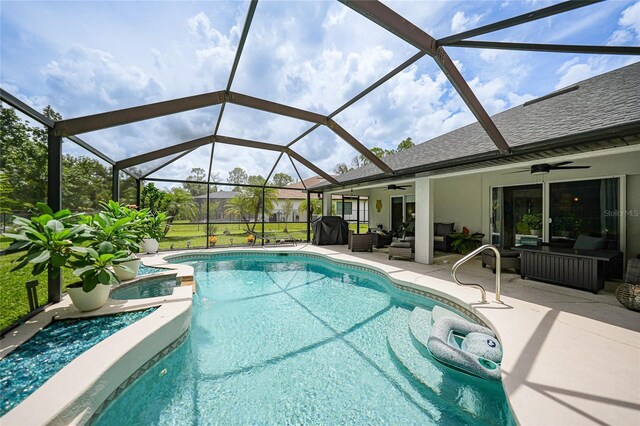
{"x": 536, "y": 232}
{"x": 90, "y": 301}
{"x": 126, "y": 275}
{"x": 149, "y": 245}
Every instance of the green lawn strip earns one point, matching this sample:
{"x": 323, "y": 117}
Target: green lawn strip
{"x": 13, "y": 293}
{"x": 183, "y": 235}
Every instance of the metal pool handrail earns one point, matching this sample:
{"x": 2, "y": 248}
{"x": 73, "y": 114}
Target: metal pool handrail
{"x": 480, "y": 249}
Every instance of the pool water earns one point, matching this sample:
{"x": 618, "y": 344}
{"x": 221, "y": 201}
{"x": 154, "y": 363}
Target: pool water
{"x": 147, "y": 270}
{"x": 293, "y": 340}
{"x": 34, "y": 362}
{"x": 153, "y": 287}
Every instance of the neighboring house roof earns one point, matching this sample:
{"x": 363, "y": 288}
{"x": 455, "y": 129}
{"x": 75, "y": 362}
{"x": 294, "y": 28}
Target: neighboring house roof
{"x": 295, "y": 192}
{"x": 218, "y": 195}
{"x": 607, "y": 104}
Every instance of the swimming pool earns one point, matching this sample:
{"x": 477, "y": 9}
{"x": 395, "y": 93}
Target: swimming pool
{"x": 278, "y": 340}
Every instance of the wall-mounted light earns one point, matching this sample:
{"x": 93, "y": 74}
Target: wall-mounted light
{"x": 378, "y": 205}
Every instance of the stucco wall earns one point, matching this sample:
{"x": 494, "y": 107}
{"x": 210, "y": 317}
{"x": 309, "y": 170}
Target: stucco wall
{"x": 384, "y": 215}
{"x": 459, "y": 200}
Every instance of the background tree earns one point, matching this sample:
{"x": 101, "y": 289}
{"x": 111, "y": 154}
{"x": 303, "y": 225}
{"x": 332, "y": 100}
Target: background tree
{"x": 85, "y": 183}
{"x": 214, "y": 177}
{"x": 341, "y": 168}
{"x": 405, "y": 144}
{"x": 361, "y": 160}
{"x": 23, "y": 159}
{"x": 152, "y": 198}
{"x": 128, "y": 187}
{"x": 238, "y": 176}
{"x": 195, "y": 189}
{"x": 282, "y": 179}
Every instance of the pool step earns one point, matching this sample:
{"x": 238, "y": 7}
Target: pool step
{"x": 401, "y": 343}
{"x": 407, "y": 335}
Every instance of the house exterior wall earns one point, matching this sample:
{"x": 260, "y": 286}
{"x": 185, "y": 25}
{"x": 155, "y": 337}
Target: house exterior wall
{"x": 384, "y": 215}
{"x": 466, "y": 199}
{"x": 459, "y": 200}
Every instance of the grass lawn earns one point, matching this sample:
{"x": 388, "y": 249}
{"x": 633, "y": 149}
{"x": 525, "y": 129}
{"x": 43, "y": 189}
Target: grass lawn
{"x": 183, "y": 235}
{"x": 13, "y": 293}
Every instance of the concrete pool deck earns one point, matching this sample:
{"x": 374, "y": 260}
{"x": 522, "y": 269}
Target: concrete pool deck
{"x": 570, "y": 357}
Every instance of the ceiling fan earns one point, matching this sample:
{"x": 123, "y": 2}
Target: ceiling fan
{"x": 401, "y": 187}
{"x": 543, "y": 168}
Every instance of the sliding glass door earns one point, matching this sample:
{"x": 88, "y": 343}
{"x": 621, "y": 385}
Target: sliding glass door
{"x": 516, "y": 215}
{"x": 585, "y": 207}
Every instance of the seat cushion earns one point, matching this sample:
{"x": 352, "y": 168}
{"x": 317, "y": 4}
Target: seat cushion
{"x": 401, "y": 244}
{"x": 443, "y": 229}
{"x": 585, "y": 242}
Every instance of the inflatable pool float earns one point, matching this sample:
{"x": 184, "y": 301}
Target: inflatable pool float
{"x": 466, "y": 346}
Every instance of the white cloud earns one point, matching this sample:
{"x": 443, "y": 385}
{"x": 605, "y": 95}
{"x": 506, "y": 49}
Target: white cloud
{"x": 575, "y": 69}
{"x": 460, "y": 22}
{"x": 90, "y": 79}
{"x": 336, "y": 14}
{"x": 631, "y": 19}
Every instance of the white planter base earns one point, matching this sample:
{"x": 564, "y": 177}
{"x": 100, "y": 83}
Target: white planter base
{"x": 125, "y": 275}
{"x": 95, "y": 299}
{"x": 149, "y": 245}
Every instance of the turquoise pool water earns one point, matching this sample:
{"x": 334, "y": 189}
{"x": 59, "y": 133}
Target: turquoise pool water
{"x": 25, "y": 369}
{"x": 293, "y": 340}
{"x": 146, "y": 270}
{"x": 153, "y": 287}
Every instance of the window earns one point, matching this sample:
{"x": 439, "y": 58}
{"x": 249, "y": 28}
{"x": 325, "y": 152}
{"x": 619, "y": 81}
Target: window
{"x": 347, "y": 207}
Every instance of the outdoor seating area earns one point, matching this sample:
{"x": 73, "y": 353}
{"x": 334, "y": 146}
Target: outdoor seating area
{"x": 442, "y": 236}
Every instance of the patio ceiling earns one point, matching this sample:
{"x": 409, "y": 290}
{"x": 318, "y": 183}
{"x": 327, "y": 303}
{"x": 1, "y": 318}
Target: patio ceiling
{"x": 225, "y": 102}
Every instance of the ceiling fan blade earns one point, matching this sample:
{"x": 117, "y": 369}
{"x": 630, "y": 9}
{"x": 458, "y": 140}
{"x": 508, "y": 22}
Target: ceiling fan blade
{"x": 571, "y": 167}
{"x": 562, "y": 163}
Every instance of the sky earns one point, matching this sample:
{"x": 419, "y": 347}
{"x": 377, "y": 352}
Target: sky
{"x": 86, "y": 57}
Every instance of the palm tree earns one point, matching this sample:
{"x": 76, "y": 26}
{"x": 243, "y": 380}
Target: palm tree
{"x": 239, "y": 207}
{"x": 180, "y": 205}
{"x": 287, "y": 209}
{"x": 316, "y": 206}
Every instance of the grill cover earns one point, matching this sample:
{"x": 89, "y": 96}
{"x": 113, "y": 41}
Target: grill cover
{"x": 329, "y": 230}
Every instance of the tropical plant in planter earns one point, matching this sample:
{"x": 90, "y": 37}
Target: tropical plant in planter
{"x": 465, "y": 242}
{"x": 119, "y": 226}
{"x": 61, "y": 240}
{"x": 154, "y": 227}
{"x": 534, "y": 222}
